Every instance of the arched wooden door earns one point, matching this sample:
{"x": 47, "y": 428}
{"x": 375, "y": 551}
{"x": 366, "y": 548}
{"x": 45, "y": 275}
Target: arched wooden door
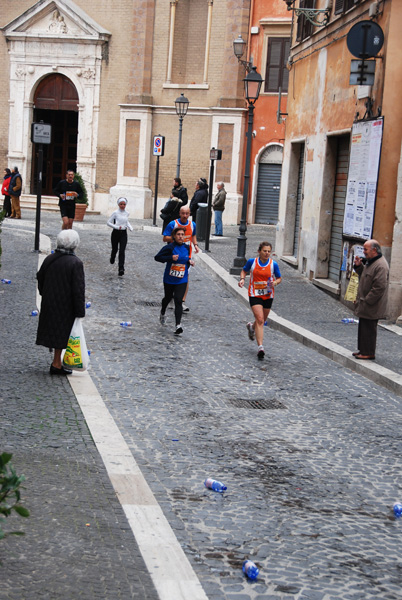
{"x": 56, "y": 102}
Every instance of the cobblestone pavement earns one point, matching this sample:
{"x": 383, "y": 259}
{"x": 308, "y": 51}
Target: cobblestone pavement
{"x": 310, "y": 452}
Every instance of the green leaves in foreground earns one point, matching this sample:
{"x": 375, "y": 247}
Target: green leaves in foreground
{"x": 10, "y": 483}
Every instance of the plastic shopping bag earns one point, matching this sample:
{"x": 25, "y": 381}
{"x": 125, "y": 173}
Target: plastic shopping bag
{"x": 76, "y": 354}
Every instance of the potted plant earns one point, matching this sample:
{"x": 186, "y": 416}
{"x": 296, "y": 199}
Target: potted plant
{"x": 82, "y": 203}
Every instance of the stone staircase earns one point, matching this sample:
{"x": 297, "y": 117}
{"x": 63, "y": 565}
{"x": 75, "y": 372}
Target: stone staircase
{"x": 48, "y": 203}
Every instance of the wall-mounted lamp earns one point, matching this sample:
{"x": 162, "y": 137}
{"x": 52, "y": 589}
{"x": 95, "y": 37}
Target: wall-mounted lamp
{"x": 319, "y": 17}
{"x": 239, "y": 46}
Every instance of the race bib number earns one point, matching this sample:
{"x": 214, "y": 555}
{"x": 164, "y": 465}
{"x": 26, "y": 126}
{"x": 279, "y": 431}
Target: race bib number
{"x": 177, "y": 271}
{"x": 69, "y": 195}
{"x": 261, "y": 288}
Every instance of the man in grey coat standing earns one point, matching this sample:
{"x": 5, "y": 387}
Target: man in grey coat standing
{"x": 219, "y": 206}
{"x": 372, "y": 297}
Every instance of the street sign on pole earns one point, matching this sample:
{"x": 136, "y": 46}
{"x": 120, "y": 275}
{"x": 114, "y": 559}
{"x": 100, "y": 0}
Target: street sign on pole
{"x": 214, "y": 155}
{"x": 159, "y": 145}
{"x": 41, "y": 133}
{"x": 159, "y": 150}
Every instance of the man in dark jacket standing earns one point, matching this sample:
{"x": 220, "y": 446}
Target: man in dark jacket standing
{"x": 61, "y": 283}
{"x": 219, "y": 206}
{"x": 15, "y": 189}
{"x": 200, "y": 197}
{"x": 68, "y": 190}
{"x": 372, "y": 297}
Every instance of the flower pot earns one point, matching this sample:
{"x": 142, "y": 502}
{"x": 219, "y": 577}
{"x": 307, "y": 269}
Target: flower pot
{"x": 80, "y": 211}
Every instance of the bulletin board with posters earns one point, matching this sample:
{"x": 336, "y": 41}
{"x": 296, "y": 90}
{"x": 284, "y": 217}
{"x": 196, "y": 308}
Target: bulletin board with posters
{"x": 361, "y": 192}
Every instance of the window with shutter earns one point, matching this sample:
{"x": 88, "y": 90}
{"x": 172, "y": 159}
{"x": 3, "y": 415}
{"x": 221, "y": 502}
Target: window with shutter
{"x": 277, "y": 75}
{"x": 342, "y": 6}
{"x": 304, "y": 27}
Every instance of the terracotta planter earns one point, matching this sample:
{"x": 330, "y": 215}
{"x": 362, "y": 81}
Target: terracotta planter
{"x": 80, "y": 211}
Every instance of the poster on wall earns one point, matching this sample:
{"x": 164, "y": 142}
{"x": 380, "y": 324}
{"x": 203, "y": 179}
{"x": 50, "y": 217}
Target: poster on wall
{"x": 364, "y": 164}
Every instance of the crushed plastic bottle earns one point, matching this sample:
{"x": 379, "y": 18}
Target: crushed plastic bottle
{"x": 126, "y": 323}
{"x": 6, "y": 281}
{"x": 34, "y": 313}
{"x": 214, "y": 485}
{"x": 350, "y": 320}
{"x": 250, "y": 569}
{"x": 88, "y": 304}
{"x": 398, "y": 510}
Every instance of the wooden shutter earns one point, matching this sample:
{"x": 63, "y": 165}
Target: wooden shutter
{"x": 277, "y": 74}
{"x": 304, "y": 27}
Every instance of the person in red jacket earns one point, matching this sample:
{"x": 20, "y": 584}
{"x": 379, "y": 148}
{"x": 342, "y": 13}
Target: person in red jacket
{"x": 5, "y": 192}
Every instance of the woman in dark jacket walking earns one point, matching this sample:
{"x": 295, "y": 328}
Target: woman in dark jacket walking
{"x": 61, "y": 283}
{"x": 200, "y": 197}
{"x": 4, "y": 191}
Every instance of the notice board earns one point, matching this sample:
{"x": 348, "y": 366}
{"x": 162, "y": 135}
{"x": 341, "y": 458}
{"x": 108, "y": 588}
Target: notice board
{"x": 361, "y": 191}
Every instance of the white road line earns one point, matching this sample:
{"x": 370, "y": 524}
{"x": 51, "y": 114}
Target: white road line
{"x": 170, "y": 570}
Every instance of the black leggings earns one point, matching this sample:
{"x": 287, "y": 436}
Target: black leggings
{"x": 119, "y": 241}
{"x": 175, "y": 291}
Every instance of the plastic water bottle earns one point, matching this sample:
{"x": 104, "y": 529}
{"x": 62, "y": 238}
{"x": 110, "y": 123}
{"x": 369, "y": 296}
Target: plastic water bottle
{"x": 398, "y": 510}
{"x": 250, "y": 569}
{"x": 88, "y": 304}
{"x": 6, "y": 281}
{"x": 34, "y": 313}
{"x": 350, "y": 320}
{"x": 126, "y": 323}
{"x": 217, "y": 486}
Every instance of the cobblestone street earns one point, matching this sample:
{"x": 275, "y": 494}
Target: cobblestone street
{"x": 310, "y": 451}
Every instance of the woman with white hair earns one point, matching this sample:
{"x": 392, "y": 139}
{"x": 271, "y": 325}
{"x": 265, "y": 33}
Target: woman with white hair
{"x": 61, "y": 283}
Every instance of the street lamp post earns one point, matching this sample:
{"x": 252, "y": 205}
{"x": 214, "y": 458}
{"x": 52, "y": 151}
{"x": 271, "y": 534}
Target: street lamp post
{"x": 181, "y": 104}
{"x": 252, "y": 85}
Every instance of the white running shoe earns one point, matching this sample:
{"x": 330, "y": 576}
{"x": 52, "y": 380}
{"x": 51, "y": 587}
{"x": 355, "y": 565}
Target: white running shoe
{"x": 185, "y": 308}
{"x": 179, "y": 329}
{"x": 251, "y": 332}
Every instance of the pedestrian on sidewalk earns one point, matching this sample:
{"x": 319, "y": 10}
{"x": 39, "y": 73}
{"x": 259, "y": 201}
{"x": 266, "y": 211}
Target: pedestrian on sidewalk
{"x": 219, "y": 206}
{"x": 372, "y": 297}
{"x": 178, "y": 198}
{"x": 264, "y": 277}
{"x": 61, "y": 283}
{"x": 5, "y": 192}
{"x": 190, "y": 238}
{"x": 15, "y": 189}
{"x": 120, "y": 223}
{"x": 200, "y": 197}
{"x": 176, "y": 255}
{"x": 68, "y": 190}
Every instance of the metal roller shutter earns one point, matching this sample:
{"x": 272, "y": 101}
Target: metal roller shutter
{"x": 335, "y": 248}
{"x": 268, "y": 188}
{"x": 298, "y": 202}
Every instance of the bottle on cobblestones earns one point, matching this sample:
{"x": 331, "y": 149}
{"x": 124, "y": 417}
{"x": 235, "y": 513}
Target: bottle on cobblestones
{"x": 350, "y": 320}
{"x": 88, "y": 304}
{"x": 250, "y": 569}
{"x": 398, "y": 510}
{"x": 6, "y": 281}
{"x": 34, "y": 313}
{"x": 214, "y": 485}
{"x": 126, "y": 323}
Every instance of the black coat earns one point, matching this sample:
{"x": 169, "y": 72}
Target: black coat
{"x": 171, "y": 210}
{"x": 200, "y": 197}
{"x": 61, "y": 283}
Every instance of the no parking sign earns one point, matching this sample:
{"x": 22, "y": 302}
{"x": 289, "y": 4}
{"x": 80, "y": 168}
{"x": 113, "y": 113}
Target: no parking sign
{"x": 159, "y": 145}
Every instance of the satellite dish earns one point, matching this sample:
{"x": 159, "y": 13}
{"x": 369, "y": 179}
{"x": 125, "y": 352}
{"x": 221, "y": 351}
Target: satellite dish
{"x": 365, "y": 39}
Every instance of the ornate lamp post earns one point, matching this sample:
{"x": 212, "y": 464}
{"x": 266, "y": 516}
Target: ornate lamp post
{"x": 252, "y": 86}
{"x": 181, "y": 104}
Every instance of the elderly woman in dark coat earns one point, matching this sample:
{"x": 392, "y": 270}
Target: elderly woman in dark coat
{"x": 61, "y": 283}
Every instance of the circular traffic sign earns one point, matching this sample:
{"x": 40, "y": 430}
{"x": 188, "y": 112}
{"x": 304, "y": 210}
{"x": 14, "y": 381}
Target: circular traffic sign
{"x": 365, "y": 39}
{"x": 158, "y": 142}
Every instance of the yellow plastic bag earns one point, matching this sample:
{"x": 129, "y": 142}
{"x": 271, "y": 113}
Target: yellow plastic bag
{"x": 351, "y": 291}
{"x": 76, "y": 354}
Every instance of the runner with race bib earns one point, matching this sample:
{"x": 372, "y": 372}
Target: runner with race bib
{"x": 176, "y": 255}
{"x": 264, "y": 277}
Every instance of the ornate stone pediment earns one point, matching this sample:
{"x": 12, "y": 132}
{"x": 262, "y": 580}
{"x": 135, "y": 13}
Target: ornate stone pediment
{"x": 55, "y": 19}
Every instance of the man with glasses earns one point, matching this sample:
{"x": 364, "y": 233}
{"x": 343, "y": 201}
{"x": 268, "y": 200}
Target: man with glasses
{"x": 68, "y": 190}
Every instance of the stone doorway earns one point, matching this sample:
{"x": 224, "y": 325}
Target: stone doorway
{"x": 56, "y": 102}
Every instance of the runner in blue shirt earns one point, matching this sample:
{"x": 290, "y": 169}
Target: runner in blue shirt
{"x": 176, "y": 255}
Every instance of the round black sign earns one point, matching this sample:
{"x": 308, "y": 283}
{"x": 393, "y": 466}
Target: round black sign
{"x": 365, "y": 39}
